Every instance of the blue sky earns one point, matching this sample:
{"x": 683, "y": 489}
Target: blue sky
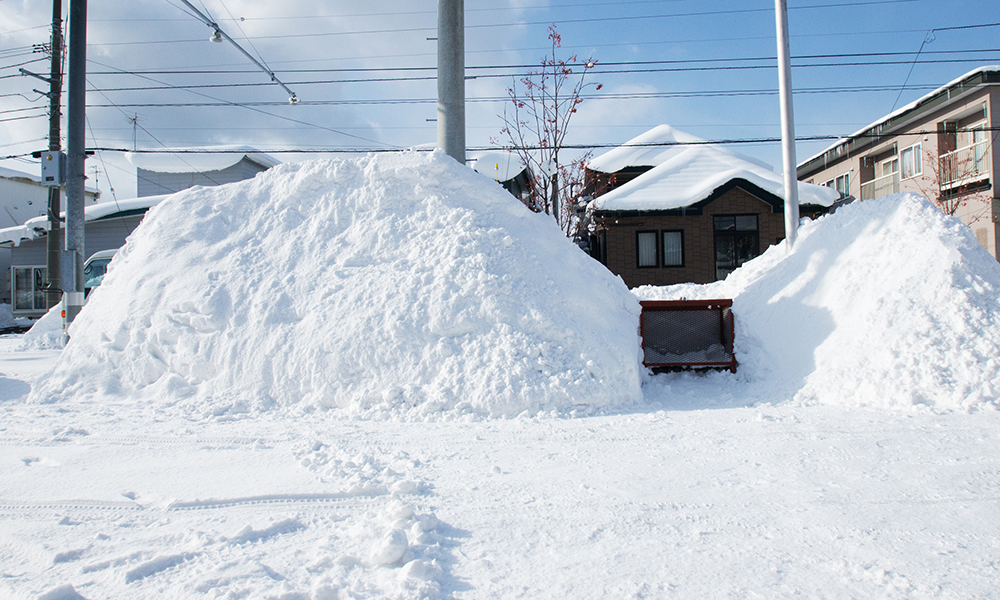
{"x": 713, "y": 72}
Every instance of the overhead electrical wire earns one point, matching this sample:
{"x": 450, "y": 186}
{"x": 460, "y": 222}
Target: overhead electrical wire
{"x": 220, "y": 35}
{"x": 263, "y": 112}
{"x": 493, "y": 51}
{"x": 594, "y": 146}
{"x": 165, "y": 86}
{"x": 601, "y": 69}
{"x": 530, "y": 66}
{"x": 474, "y": 10}
{"x": 557, "y": 22}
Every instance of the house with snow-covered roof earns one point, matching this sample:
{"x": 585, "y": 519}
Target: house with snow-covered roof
{"x": 939, "y": 146}
{"x": 106, "y": 227}
{"x": 166, "y": 173}
{"x": 23, "y": 197}
{"x": 670, "y": 208}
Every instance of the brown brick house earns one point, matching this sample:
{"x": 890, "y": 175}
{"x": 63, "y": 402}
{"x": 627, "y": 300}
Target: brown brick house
{"x": 687, "y": 211}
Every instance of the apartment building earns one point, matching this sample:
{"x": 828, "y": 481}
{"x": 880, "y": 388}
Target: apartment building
{"x": 940, "y": 146}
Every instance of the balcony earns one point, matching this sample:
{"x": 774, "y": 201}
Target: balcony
{"x": 880, "y": 186}
{"x": 965, "y": 165}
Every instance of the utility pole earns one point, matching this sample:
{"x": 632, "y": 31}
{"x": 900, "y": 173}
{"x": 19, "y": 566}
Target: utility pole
{"x": 791, "y": 180}
{"x": 451, "y": 78}
{"x": 54, "y": 240}
{"x": 72, "y": 271}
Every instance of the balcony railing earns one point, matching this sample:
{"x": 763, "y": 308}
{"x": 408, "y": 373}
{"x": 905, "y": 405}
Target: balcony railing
{"x": 965, "y": 165}
{"x": 880, "y": 186}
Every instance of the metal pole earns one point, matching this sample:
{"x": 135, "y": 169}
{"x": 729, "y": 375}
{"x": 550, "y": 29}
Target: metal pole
{"x": 54, "y": 240}
{"x": 72, "y": 267}
{"x": 451, "y": 78}
{"x": 787, "y": 125}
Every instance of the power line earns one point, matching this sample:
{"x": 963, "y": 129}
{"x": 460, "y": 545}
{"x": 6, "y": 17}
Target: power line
{"x": 594, "y": 146}
{"x": 535, "y": 23}
{"x": 250, "y": 107}
{"x": 407, "y": 13}
{"x": 605, "y": 71}
{"x": 220, "y": 34}
{"x": 531, "y": 66}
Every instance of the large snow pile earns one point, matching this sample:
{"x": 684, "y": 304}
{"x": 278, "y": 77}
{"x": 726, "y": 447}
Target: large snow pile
{"x": 884, "y": 303}
{"x": 394, "y": 285}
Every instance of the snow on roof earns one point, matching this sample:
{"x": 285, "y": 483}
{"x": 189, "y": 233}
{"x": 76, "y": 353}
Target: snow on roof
{"x": 498, "y": 165}
{"x": 396, "y": 285}
{"x": 198, "y": 162}
{"x": 692, "y": 173}
{"x": 36, "y": 227}
{"x": 901, "y": 110}
{"x": 655, "y": 147}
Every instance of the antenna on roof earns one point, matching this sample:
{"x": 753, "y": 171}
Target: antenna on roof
{"x": 134, "y": 120}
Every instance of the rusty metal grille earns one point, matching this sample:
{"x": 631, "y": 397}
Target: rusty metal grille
{"x": 688, "y": 333}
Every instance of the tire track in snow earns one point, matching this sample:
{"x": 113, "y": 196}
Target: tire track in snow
{"x": 283, "y": 501}
{"x": 277, "y": 499}
{"x": 48, "y": 439}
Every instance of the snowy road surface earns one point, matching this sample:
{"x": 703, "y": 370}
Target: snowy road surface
{"x": 691, "y": 496}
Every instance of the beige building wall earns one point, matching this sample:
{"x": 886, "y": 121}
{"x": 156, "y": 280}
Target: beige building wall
{"x": 976, "y": 209}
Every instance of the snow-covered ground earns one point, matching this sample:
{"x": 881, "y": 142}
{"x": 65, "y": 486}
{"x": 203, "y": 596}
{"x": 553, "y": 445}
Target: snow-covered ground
{"x": 856, "y": 453}
{"x": 691, "y": 496}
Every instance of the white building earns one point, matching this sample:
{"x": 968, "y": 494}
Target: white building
{"x": 23, "y": 197}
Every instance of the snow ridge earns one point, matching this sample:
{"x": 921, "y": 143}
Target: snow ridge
{"x": 885, "y": 303}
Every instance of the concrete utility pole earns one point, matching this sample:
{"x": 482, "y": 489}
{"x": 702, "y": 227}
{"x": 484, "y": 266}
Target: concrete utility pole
{"x": 791, "y": 180}
{"x": 451, "y": 78}
{"x": 54, "y": 239}
{"x": 72, "y": 265}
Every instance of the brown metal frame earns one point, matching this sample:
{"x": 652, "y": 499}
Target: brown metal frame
{"x": 688, "y": 305}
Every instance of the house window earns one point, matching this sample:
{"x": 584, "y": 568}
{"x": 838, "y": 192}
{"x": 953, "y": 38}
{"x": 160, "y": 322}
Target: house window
{"x": 979, "y": 149}
{"x": 911, "y": 163}
{"x": 673, "y": 248}
{"x": 889, "y": 166}
{"x": 645, "y": 242}
{"x": 844, "y": 184}
{"x": 737, "y": 240}
{"x": 28, "y": 294}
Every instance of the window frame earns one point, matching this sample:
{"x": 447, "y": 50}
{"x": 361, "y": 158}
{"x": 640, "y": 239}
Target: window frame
{"x": 656, "y": 249}
{"x": 918, "y": 162}
{"x": 735, "y": 234}
{"x": 663, "y": 249}
{"x": 846, "y": 178}
{"x": 894, "y": 161}
{"x": 38, "y": 275}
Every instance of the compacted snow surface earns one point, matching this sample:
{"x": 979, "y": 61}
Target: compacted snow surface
{"x": 856, "y": 454}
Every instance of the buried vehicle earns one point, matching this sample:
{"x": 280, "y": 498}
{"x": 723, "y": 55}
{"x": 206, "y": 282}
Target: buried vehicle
{"x": 95, "y": 268}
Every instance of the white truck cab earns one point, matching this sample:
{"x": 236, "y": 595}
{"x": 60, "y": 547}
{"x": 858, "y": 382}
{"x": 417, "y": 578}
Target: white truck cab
{"x": 94, "y": 269}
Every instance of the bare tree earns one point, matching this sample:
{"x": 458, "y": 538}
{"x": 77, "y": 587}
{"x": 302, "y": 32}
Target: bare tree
{"x": 951, "y": 182}
{"x": 535, "y": 123}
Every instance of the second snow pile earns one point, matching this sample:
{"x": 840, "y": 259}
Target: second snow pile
{"x": 388, "y": 286}
{"x": 884, "y": 303}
